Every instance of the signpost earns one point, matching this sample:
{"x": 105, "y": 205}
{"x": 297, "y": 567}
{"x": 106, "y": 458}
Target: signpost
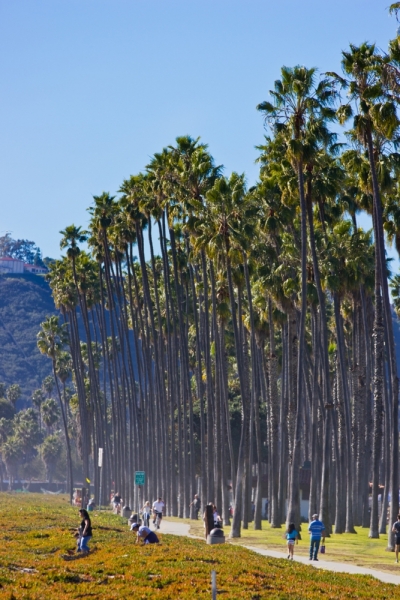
{"x": 140, "y": 477}
{"x": 140, "y": 480}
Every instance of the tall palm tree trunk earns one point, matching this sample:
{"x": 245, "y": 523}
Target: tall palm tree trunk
{"x": 379, "y": 240}
{"x": 293, "y": 513}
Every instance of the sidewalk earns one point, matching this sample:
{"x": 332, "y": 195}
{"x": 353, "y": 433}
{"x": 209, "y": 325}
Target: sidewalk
{"x": 183, "y": 529}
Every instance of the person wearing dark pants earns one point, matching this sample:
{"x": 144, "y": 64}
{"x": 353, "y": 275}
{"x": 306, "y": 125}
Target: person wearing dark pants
{"x": 144, "y": 534}
{"x": 317, "y": 531}
{"x": 396, "y": 531}
{"x": 196, "y": 505}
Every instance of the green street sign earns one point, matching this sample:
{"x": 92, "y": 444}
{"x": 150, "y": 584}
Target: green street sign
{"x": 140, "y": 477}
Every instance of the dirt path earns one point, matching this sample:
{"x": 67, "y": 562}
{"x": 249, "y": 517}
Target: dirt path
{"x": 183, "y": 529}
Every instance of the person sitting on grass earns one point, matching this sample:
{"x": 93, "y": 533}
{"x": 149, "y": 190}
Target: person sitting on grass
{"x": 292, "y": 535}
{"x": 144, "y": 534}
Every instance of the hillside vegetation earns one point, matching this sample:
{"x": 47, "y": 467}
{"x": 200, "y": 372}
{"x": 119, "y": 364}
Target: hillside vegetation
{"x": 36, "y": 533}
{"x": 25, "y": 301}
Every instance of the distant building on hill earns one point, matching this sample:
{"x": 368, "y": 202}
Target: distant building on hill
{"x": 13, "y": 265}
{"x": 34, "y": 269}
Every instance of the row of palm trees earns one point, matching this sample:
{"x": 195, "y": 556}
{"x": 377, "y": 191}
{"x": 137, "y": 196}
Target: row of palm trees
{"x": 259, "y": 335}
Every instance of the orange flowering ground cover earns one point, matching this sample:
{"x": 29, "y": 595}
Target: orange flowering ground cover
{"x": 35, "y": 532}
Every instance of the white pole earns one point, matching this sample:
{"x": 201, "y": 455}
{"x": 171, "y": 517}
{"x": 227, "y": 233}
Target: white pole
{"x": 100, "y": 464}
{"x": 100, "y": 489}
{"x": 214, "y": 585}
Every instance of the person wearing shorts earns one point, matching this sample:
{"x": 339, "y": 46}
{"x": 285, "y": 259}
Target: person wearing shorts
{"x": 396, "y": 531}
{"x": 291, "y": 536}
{"x": 116, "y": 502}
{"x": 144, "y": 534}
{"x": 146, "y": 511}
{"x": 158, "y": 507}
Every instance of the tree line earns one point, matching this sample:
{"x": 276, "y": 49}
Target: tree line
{"x": 256, "y": 335}
{"x": 24, "y": 250}
{"x": 31, "y": 444}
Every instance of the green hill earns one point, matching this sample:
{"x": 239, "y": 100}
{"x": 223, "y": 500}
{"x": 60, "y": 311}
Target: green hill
{"x": 25, "y": 301}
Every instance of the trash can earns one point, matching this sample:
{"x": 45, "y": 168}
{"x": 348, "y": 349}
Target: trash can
{"x": 126, "y": 512}
{"x": 216, "y": 536}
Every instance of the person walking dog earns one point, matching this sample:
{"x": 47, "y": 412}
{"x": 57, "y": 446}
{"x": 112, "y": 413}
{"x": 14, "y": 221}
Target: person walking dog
{"x": 317, "y": 531}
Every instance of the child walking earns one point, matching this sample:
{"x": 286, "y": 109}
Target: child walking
{"x": 292, "y": 535}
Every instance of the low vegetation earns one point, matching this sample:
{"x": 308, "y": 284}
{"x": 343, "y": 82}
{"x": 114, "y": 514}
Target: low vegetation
{"x": 36, "y": 532}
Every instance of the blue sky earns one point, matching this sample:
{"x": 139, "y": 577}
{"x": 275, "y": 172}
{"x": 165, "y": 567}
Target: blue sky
{"x": 92, "y": 88}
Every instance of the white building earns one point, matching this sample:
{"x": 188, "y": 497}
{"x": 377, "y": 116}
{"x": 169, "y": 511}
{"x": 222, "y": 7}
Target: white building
{"x": 34, "y": 269}
{"x": 11, "y": 265}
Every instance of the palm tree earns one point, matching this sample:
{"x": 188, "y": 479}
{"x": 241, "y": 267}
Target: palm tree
{"x": 72, "y": 236}
{"x": 50, "y": 413}
{"x": 13, "y": 393}
{"x": 63, "y": 372}
{"x": 299, "y": 101}
{"x": 50, "y": 451}
{"x": 371, "y": 103}
{"x": 48, "y": 385}
{"x": 51, "y": 340}
{"x": 37, "y": 400}
{"x": 226, "y": 201}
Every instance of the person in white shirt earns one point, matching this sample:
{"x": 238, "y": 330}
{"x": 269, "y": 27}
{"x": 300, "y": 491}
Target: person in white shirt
{"x": 158, "y": 507}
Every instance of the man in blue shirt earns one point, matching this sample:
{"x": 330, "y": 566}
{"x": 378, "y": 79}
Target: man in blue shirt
{"x": 316, "y": 530}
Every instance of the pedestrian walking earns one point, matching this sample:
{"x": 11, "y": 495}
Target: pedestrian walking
{"x": 396, "y": 531}
{"x": 317, "y": 531}
{"x": 292, "y": 537}
{"x": 146, "y": 511}
{"x": 196, "y": 505}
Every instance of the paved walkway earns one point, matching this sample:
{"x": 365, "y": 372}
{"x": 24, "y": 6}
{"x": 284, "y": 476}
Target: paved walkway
{"x": 183, "y": 529}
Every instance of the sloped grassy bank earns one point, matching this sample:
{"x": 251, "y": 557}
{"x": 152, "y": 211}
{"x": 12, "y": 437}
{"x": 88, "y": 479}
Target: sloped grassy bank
{"x": 35, "y": 532}
{"x": 356, "y": 549}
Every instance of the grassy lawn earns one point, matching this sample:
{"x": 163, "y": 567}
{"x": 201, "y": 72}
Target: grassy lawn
{"x": 357, "y": 549}
{"x": 36, "y": 532}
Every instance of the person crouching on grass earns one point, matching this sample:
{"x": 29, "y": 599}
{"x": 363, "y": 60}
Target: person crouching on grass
{"x": 144, "y": 534}
{"x": 292, "y": 536}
